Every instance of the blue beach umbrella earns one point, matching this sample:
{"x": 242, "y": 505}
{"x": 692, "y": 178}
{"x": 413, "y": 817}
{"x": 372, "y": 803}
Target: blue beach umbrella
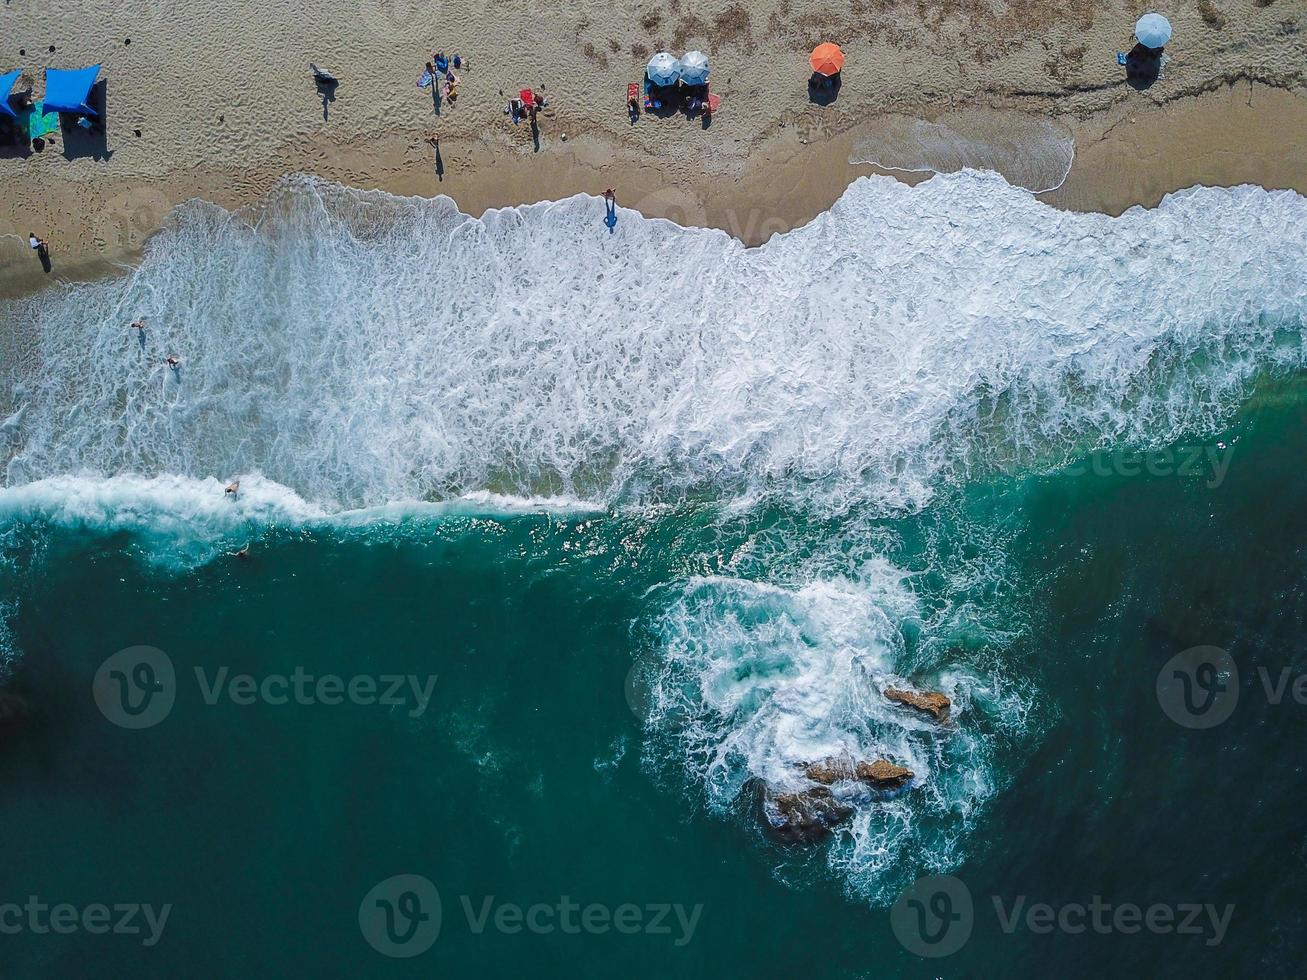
{"x": 67, "y": 91}
{"x": 694, "y": 68}
{"x": 663, "y": 69}
{"x": 7, "y": 83}
{"x": 1153, "y": 30}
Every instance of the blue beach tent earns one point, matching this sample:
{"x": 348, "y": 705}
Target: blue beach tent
{"x": 7, "y": 83}
{"x": 67, "y": 91}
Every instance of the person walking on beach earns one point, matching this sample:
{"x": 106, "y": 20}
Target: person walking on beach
{"x": 42, "y": 249}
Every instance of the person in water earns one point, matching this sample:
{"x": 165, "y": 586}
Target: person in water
{"x": 232, "y": 487}
{"x": 174, "y": 361}
{"x": 138, "y": 323}
{"x": 610, "y": 209}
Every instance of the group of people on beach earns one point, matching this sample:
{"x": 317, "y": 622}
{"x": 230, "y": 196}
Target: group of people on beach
{"x": 440, "y": 72}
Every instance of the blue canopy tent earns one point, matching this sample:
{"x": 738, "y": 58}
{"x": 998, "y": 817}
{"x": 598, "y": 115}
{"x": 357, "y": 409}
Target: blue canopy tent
{"x": 7, "y": 83}
{"x": 67, "y": 91}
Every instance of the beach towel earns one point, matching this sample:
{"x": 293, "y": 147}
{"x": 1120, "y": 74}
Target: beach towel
{"x": 713, "y": 102}
{"x": 424, "y": 80}
{"x": 38, "y": 122}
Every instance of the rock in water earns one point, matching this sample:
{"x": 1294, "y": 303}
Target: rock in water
{"x": 932, "y": 702}
{"x": 828, "y": 771}
{"x": 801, "y": 818}
{"x": 881, "y": 773}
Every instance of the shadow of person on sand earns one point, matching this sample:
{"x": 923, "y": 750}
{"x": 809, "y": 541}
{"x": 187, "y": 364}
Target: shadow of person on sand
{"x": 434, "y": 142}
{"x": 327, "y": 89}
{"x": 1142, "y": 67}
{"x": 823, "y": 89}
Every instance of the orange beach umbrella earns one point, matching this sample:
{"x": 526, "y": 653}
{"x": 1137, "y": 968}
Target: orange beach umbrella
{"x": 827, "y": 59}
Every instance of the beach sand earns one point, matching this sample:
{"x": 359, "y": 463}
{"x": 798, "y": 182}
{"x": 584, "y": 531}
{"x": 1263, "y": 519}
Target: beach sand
{"x": 216, "y": 101}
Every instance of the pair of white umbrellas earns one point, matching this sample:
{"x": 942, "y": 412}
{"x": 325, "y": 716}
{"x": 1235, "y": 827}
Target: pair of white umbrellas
{"x": 691, "y": 68}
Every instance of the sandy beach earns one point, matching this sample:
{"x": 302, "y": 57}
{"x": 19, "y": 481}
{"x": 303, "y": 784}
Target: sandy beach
{"x": 219, "y": 103}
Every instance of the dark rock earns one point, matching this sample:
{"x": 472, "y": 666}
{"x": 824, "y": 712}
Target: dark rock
{"x": 880, "y": 773}
{"x": 801, "y": 818}
{"x": 931, "y": 702}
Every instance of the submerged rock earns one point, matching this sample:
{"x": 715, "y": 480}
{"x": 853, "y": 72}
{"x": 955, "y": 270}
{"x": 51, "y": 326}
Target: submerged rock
{"x": 931, "y": 702}
{"x": 801, "y": 818}
{"x": 881, "y": 773}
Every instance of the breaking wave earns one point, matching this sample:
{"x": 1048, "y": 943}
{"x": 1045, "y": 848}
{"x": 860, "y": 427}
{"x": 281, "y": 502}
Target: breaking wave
{"x": 358, "y": 359}
{"x": 360, "y": 348}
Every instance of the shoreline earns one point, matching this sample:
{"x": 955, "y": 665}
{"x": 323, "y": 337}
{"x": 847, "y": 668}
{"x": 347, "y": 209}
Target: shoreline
{"x": 1130, "y": 155}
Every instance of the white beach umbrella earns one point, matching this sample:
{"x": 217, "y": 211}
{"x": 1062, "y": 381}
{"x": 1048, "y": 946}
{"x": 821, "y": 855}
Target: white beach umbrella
{"x": 694, "y": 68}
{"x": 663, "y": 69}
{"x": 1153, "y": 30}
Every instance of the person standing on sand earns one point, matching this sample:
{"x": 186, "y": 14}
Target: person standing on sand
{"x": 42, "y": 249}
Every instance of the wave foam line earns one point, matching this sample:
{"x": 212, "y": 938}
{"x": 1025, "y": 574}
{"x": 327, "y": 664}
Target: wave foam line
{"x": 360, "y": 348}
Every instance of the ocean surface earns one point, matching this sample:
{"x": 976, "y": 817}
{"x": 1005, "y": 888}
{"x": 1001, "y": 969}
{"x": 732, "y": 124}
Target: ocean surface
{"x": 590, "y": 534}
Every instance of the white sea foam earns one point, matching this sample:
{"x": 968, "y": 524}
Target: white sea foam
{"x": 759, "y": 680}
{"x": 370, "y": 359}
{"x": 361, "y": 349}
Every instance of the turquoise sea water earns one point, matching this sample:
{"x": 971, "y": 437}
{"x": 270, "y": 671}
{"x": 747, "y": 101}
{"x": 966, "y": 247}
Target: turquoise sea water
{"x": 630, "y": 600}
